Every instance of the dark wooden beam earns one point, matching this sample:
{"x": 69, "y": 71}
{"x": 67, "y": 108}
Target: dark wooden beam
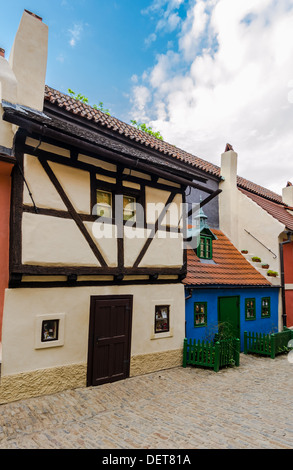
{"x": 41, "y": 270}
{"x": 154, "y": 230}
{"x": 108, "y": 152}
{"x": 77, "y": 219}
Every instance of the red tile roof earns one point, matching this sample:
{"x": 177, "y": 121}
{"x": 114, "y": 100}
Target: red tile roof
{"x": 86, "y": 111}
{"x": 230, "y": 268}
{"x": 100, "y": 118}
{"x": 257, "y": 189}
{"x": 278, "y": 211}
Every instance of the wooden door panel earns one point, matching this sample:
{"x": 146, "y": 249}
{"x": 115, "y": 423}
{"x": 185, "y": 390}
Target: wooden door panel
{"x": 109, "y": 339}
{"x": 229, "y": 319}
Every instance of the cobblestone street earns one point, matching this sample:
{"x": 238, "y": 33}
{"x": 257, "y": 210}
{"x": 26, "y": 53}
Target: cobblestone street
{"x": 249, "y": 407}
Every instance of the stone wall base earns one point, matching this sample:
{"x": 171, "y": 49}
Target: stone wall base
{"x": 146, "y": 363}
{"x": 57, "y": 379}
{"x": 42, "y": 382}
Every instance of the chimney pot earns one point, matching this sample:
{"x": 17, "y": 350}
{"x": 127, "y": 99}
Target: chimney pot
{"x": 2, "y": 52}
{"x": 228, "y": 147}
{"x": 34, "y": 15}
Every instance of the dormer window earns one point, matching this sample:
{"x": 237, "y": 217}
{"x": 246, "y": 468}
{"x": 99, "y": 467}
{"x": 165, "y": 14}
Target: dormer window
{"x": 205, "y": 247}
{"x": 204, "y": 236}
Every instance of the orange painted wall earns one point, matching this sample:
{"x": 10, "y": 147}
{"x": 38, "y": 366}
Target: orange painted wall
{"x": 5, "y": 188}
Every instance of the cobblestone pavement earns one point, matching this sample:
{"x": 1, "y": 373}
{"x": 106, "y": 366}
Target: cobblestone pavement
{"x": 249, "y": 407}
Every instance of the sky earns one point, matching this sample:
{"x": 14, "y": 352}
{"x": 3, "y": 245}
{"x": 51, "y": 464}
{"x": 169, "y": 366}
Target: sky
{"x": 202, "y": 72}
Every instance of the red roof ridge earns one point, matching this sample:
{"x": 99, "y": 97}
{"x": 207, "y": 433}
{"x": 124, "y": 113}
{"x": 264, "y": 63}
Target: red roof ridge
{"x": 69, "y": 103}
{"x": 85, "y": 110}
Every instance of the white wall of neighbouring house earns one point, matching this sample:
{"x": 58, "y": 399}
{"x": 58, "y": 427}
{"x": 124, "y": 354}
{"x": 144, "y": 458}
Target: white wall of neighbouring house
{"x": 239, "y": 215}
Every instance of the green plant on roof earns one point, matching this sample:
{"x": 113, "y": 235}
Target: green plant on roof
{"x": 84, "y": 99}
{"x": 100, "y": 107}
{"x": 256, "y": 259}
{"x": 272, "y": 273}
{"x": 143, "y": 127}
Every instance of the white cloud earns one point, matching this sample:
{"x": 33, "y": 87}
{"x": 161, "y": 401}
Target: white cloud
{"x": 166, "y": 14}
{"x": 134, "y": 78}
{"x": 151, "y": 38}
{"x": 230, "y": 82}
{"x": 75, "y": 34}
{"x": 140, "y": 97}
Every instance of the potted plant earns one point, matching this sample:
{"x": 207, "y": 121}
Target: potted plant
{"x": 256, "y": 259}
{"x": 272, "y": 273}
{"x": 244, "y": 252}
{"x": 265, "y": 266}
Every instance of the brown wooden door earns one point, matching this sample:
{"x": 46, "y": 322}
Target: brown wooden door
{"x": 109, "y": 339}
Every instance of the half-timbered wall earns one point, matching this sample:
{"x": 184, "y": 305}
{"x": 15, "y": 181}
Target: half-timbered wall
{"x": 60, "y": 229}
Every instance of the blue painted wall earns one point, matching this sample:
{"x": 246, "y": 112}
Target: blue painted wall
{"x": 260, "y": 325}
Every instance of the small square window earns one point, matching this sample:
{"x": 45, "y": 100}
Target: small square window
{"x": 200, "y": 314}
{"x": 162, "y": 318}
{"x": 249, "y": 309}
{"x": 265, "y": 307}
{"x": 104, "y": 203}
{"x": 129, "y": 208}
{"x": 50, "y": 330}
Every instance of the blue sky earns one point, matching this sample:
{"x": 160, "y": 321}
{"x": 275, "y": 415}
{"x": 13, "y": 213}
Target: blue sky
{"x": 90, "y": 48}
{"x": 202, "y": 72}
{"x": 95, "y": 46}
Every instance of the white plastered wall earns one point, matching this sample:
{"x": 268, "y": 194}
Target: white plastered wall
{"x": 23, "y": 308}
{"x": 262, "y": 226}
{"x": 239, "y": 215}
{"x": 53, "y": 241}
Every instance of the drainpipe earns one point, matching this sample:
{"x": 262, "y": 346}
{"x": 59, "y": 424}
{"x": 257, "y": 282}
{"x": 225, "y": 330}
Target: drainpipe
{"x": 186, "y": 298}
{"x": 284, "y": 315}
{"x": 190, "y": 294}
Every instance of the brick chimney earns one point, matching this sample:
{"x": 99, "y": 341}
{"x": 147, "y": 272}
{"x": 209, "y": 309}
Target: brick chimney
{"x": 287, "y": 194}
{"x": 28, "y": 60}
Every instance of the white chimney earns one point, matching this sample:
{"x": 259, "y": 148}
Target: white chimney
{"x": 28, "y": 60}
{"x": 8, "y": 92}
{"x": 287, "y": 194}
{"x": 228, "y": 198}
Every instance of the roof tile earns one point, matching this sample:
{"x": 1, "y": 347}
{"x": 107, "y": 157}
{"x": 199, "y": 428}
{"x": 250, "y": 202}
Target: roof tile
{"x": 230, "y": 268}
{"x": 278, "y": 211}
{"x": 86, "y": 111}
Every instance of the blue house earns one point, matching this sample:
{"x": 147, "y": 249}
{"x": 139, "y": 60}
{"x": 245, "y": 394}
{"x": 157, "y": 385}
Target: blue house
{"x": 224, "y": 292}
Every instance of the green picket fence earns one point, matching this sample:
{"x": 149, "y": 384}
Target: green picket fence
{"x": 222, "y": 353}
{"x": 267, "y": 344}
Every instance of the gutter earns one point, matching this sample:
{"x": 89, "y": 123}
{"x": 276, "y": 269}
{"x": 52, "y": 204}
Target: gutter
{"x": 284, "y": 314}
{"x": 45, "y": 131}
